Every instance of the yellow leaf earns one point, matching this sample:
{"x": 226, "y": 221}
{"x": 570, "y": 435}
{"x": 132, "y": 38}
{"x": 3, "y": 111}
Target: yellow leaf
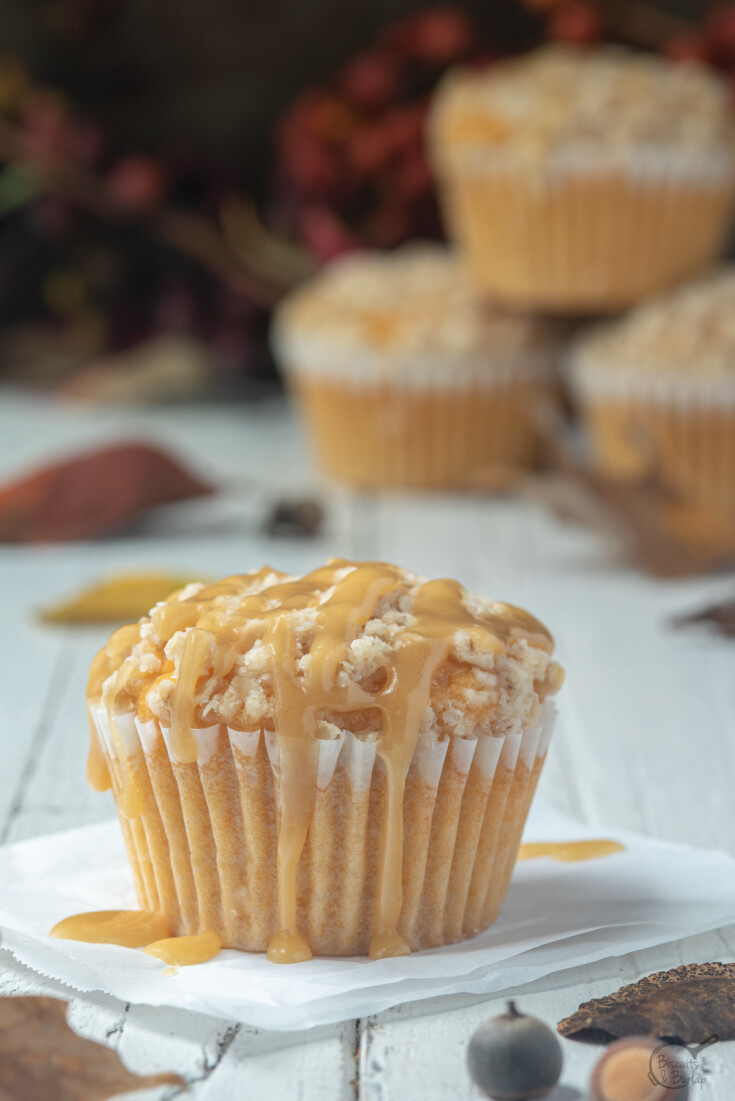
{"x": 120, "y": 598}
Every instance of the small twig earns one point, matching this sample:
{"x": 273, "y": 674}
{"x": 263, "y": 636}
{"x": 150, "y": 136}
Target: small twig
{"x": 720, "y": 617}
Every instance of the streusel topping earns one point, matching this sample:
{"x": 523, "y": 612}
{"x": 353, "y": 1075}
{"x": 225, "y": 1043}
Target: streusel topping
{"x": 611, "y": 99}
{"x": 688, "y": 331}
{"x": 399, "y": 305}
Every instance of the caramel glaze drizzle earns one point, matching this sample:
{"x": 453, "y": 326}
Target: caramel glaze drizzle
{"x": 570, "y": 852}
{"x": 139, "y": 929}
{"x": 345, "y": 597}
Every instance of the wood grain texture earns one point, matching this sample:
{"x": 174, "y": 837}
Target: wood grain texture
{"x": 645, "y": 739}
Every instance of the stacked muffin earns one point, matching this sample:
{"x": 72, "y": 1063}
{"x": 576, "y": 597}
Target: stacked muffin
{"x": 573, "y": 183}
{"x": 405, "y": 376}
{"x": 657, "y": 391}
{"x": 597, "y": 181}
{"x": 583, "y": 181}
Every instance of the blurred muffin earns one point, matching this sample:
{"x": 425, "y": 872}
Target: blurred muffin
{"x": 585, "y": 180}
{"x": 404, "y": 377}
{"x": 340, "y": 763}
{"x": 657, "y": 391}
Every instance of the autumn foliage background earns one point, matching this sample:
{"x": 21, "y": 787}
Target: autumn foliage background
{"x": 167, "y": 172}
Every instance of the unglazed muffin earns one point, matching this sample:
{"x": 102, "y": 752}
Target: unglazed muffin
{"x": 405, "y": 377}
{"x": 340, "y": 763}
{"x": 657, "y": 392}
{"x": 585, "y": 180}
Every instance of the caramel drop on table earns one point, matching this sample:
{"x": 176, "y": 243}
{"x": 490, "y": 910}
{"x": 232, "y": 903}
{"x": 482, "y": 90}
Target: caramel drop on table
{"x": 183, "y": 951}
{"x": 128, "y": 928}
{"x": 570, "y": 851}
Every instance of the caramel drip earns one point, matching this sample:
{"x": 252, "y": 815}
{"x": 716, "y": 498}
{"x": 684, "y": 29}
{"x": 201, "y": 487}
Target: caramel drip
{"x": 185, "y": 951}
{"x": 129, "y": 928}
{"x": 570, "y": 851}
{"x": 308, "y": 679}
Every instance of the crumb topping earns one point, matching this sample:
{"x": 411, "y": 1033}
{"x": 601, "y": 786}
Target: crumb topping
{"x": 398, "y": 306}
{"x": 609, "y": 99}
{"x": 688, "y": 331}
{"x": 493, "y": 674}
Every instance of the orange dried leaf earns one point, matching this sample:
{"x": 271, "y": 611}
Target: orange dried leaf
{"x": 93, "y": 494}
{"x": 120, "y": 598}
{"x": 41, "y": 1058}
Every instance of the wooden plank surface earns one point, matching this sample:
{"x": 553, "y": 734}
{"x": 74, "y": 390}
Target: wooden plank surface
{"x": 645, "y": 740}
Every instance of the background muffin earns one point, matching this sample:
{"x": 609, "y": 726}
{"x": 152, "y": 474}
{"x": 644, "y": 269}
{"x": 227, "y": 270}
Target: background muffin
{"x": 585, "y": 180}
{"x": 404, "y": 377}
{"x": 657, "y": 391}
{"x": 339, "y": 763}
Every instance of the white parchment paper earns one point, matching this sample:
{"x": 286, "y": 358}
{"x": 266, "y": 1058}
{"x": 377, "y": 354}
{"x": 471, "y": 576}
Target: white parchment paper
{"x": 556, "y": 916}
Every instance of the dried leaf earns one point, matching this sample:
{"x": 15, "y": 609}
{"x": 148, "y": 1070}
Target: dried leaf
{"x": 92, "y": 495}
{"x": 41, "y": 1058}
{"x": 691, "y": 1004}
{"x": 120, "y": 598}
{"x": 719, "y": 617}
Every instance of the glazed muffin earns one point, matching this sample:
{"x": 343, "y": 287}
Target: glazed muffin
{"x": 340, "y": 763}
{"x": 585, "y": 180}
{"x": 657, "y": 392}
{"x": 405, "y": 378}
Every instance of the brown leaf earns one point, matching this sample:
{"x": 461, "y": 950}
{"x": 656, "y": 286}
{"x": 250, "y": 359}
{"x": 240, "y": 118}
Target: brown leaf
{"x": 93, "y": 494}
{"x": 41, "y": 1058}
{"x": 719, "y": 617}
{"x": 691, "y": 1003}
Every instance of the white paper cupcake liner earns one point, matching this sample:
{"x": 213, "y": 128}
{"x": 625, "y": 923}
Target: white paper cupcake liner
{"x": 643, "y": 164}
{"x": 576, "y": 236}
{"x": 204, "y": 849}
{"x": 593, "y": 381}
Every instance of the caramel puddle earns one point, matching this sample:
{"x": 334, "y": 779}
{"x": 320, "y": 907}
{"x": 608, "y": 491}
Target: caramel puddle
{"x": 128, "y": 928}
{"x": 184, "y": 951}
{"x": 570, "y": 851}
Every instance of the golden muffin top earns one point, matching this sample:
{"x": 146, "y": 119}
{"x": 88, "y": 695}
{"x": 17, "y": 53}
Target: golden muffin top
{"x": 689, "y": 331}
{"x": 360, "y": 647}
{"x": 412, "y": 306}
{"x": 607, "y": 100}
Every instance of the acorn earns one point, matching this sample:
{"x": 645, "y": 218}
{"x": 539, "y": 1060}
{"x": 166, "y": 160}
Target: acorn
{"x": 639, "y": 1068}
{"x": 514, "y": 1057}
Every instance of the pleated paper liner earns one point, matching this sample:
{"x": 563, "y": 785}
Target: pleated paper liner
{"x": 204, "y": 850}
{"x": 582, "y": 239}
{"x": 683, "y": 429}
{"x": 431, "y": 429}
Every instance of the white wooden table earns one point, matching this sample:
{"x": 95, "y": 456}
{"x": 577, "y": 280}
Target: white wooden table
{"x": 646, "y": 740}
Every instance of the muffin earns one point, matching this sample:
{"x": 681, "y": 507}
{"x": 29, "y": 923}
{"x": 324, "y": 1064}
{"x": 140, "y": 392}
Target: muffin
{"x": 404, "y": 377}
{"x": 584, "y": 181}
{"x": 340, "y": 763}
{"x": 657, "y": 392}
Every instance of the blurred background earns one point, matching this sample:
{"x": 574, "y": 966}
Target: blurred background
{"x": 171, "y": 172}
{"x": 171, "y": 177}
